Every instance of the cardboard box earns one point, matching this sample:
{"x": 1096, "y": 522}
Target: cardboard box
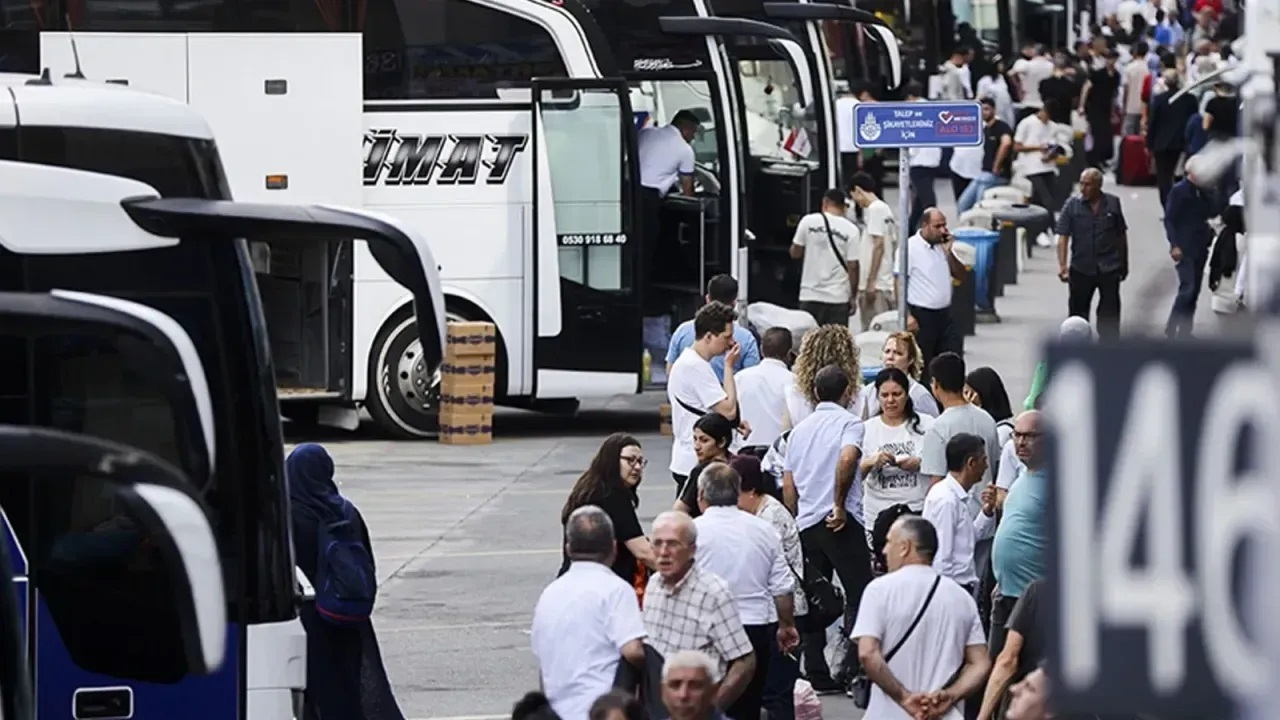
{"x": 467, "y": 371}
{"x": 463, "y": 339}
{"x": 466, "y": 398}
{"x": 664, "y": 420}
{"x": 466, "y": 426}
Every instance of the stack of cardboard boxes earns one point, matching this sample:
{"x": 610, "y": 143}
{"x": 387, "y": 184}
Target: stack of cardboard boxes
{"x": 467, "y": 384}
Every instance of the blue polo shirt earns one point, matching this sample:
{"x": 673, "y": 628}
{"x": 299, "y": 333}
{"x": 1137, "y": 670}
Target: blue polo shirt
{"x": 683, "y": 338}
{"x": 1018, "y": 554}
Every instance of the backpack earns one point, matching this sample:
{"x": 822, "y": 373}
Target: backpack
{"x": 345, "y": 581}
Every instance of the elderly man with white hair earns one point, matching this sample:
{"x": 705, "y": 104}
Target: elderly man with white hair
{"x": 1186, "y": 223}
{"x": 1073, "y": 330}
{"x": 689, "y": 608}
{"x": 689, "y": 686}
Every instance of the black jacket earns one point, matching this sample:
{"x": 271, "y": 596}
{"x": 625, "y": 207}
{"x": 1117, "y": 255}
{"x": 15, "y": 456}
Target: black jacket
{"x": 1167, "y": 122}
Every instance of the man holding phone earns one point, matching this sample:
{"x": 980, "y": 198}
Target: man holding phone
{"x": 931, "y": 266}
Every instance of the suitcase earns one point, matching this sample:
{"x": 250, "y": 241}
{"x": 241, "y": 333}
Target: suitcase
{"x": 1135, "y": 163}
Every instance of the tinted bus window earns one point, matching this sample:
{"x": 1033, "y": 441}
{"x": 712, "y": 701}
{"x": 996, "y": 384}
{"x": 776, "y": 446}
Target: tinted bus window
{"x": 451, "y": 49}
{"x": 207, "y": 286}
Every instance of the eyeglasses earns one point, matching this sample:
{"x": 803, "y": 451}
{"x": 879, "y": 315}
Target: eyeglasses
{"x": 636, "y": 461}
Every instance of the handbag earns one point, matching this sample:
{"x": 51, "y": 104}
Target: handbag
{"x": 826, "y": 602}
{"x": 861, "y": 687}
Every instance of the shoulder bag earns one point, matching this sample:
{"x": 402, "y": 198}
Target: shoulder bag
{"x": 862, "y": 684}
{"x": 826, "y": 602}
{"x": 831, "y": 240}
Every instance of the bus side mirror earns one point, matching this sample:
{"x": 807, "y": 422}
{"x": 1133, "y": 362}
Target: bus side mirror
{"x": 119, "y": 549}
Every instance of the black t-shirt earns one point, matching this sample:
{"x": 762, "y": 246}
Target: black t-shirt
{"x": 689, "y": 492}
{"x": 991, "y": 145}
{"x": 621, "y": 509}
{"x": 1026, "y": 621}
{"x": 1064, "y": 92}
{"x": 1102, "y": 94}
{"x": 1225, "y": 110}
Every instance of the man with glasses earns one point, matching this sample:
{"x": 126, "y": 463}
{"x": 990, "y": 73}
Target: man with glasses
{"x": 1018, "y": 554}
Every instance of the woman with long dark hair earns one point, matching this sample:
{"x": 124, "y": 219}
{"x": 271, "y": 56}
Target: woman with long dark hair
{"x": 984, "y": 388}
{"x": 712, "y": 435}
{"x": 891, "y": 452}
{"x": 345, "y": 674}
{"x": 610, "y": 483}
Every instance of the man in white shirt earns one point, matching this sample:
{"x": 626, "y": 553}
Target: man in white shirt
{"x": 827, "y": 243}
{"x": 762, "y": 389}
{"x": 1135, "y": 74}
{"x": 821, "y": 488}
{"x": 746, "y": 552}
{"x": 946, "y": 507}
{"x": 693, "y": 389}
{"x": 954, "y": 85}
{"x": 1027, "y": 72}
{"x": 1033, "y": 141}
{"x": 666, "y": 160}
{"x": 586, "y": 621}
{"x": 931, "y": 266}
{"x": 879, "y": 248}
{"x": 911, "y": 671}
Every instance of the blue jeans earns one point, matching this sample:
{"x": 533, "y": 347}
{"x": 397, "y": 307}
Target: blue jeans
{"x": 972, "y": 194}
{"x": 780, "y": 685}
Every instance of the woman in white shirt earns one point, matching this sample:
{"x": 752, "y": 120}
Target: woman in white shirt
{"x": 891, "y": 447}
{"x": 826, "y": 345}
{"x": 901, "y": 352}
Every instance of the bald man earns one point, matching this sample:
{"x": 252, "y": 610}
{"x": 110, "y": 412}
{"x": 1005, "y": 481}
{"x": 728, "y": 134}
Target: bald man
{"x": 1093, "y": 253}
{"x": 931, "y": 266}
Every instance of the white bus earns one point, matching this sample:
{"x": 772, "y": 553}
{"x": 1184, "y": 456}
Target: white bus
{"x": 504, "y": 130}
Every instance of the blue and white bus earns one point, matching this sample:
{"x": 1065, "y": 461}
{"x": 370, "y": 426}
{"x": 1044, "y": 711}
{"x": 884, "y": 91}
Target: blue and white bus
{"x": 96, "y": 161}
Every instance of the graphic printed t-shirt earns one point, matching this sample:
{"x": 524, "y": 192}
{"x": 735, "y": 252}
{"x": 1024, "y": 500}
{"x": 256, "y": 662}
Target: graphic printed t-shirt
{"x": 891, "y": 485}
{"x": 822, "y": 278}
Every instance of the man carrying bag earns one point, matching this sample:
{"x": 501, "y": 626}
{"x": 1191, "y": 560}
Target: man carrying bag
{"x": 827, "y": 244}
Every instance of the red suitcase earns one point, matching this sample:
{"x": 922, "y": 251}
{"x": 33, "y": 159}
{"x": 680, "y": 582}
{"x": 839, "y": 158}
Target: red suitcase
{"x": 1135, "y": 162}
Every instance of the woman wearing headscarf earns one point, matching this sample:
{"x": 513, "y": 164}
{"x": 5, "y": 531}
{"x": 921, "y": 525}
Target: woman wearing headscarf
{"x": 1073, "y": 329}
{"x": 345, "y": 676}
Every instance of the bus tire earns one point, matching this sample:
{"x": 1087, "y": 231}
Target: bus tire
{"x": 403, "y": 395}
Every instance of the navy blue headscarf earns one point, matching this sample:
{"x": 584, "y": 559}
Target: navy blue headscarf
{"x": 312, "y": 492}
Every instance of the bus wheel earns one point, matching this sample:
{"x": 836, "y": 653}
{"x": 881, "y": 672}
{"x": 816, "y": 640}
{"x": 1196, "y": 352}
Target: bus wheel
{"x": 403, "y": 393}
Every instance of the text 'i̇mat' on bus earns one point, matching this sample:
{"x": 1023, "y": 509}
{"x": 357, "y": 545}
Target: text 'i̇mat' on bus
{"x": 182, "y": 372}
{"x": 505, "y": 132}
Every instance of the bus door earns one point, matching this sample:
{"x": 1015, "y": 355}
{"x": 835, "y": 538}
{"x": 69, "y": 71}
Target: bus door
{"x": 760, "y": 271}
{"x": 586, "y": 255}
{"x": 101, "y": 637}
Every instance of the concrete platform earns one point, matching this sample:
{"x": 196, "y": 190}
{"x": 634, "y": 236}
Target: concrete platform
{"x": 467, "y": 537}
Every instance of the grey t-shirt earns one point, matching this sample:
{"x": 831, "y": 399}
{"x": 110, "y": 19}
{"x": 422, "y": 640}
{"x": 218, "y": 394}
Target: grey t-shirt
{"x": 953, "y": 421}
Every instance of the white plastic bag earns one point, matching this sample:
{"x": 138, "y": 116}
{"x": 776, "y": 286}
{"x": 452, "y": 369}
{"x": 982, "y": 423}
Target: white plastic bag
{"x": 762, "y": 315}
{"x": 808, "y": 704}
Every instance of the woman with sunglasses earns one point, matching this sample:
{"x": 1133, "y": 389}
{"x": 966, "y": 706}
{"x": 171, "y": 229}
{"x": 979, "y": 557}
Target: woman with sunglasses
{"x": 610, "y": 483}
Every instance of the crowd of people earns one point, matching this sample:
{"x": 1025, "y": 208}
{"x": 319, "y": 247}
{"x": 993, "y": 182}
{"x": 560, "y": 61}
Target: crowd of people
{"x": 905, "y": 519}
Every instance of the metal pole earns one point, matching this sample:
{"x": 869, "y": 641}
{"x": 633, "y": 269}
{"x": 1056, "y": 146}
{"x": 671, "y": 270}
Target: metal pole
{"x": 702, "y": 248}
{"x": 904, "y": 227}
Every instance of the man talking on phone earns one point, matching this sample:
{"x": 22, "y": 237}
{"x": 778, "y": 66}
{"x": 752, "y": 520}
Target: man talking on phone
{"x": 931, "y": 266}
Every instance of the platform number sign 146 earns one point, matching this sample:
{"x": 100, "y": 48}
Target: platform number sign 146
{"x": 1152, "y": 502}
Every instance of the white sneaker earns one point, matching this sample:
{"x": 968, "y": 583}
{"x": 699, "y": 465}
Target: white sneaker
{"x": 1043, "y": 240}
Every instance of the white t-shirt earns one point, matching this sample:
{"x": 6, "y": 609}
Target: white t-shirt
{"x": 1033, "y": 131}
{"x": 1030, "y": 73}
{"x": 967, "y": 162}
{"x": 822, "y": 279}
{"x": 890, "y": 485}
{"x": 935, "y": 650}
{"x": 693, "y": 381}
{"x": 880, "y": 221}
{"x": 664, "y": 157}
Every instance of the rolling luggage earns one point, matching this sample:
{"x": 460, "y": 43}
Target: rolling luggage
{"x": 1135, "y": 163}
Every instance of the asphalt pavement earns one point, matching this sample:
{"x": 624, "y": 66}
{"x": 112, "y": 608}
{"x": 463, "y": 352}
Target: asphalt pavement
{"x": 467, "y": 537}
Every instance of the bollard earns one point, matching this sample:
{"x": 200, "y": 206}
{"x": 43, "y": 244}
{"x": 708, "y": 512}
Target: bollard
{"x": 963, "y": 312}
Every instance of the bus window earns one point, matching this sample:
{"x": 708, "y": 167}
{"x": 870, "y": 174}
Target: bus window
{"x": 148, "y": 15}
{"x": 451, "y": 49}
{"x": 588, "y": 196}
{"x": 769, "y": 94}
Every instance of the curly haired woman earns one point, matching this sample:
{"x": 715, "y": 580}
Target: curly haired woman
{"x": 901, "y": 352}
{"x": 826, "y": 345}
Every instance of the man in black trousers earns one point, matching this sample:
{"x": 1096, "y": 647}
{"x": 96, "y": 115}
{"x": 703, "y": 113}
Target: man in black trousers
{"x": 1166, "y": 136}
{"x": 1093, "y": 252}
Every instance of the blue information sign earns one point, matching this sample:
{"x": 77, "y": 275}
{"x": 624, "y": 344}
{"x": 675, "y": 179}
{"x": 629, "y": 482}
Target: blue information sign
{"x": 917, "y": 124}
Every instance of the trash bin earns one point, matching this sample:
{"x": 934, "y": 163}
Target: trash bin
{"x": 985, "y": 243}
{"x": 962, "y": 310}
{"x": 1034, "y": 219}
